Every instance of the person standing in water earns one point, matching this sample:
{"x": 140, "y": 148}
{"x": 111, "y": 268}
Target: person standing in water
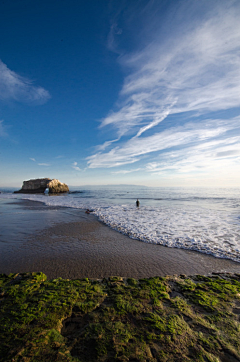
{"x": 137, "y": 203}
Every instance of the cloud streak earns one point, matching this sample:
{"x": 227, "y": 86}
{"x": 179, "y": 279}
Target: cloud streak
{"x": 194, "y": 70}
{"x": 221, "y": 155}
{"x": 178, "y": 137}
{"x": 18, "y": 88}
{"x": 111, "y": 43}
{"x": 200, "y": 70}
{"x": 124, "y": 172}
{"x": 75, "y": 166}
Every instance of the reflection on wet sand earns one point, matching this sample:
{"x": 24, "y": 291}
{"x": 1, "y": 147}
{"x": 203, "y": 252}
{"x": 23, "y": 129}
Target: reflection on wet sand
{"x": 68, "y": 243}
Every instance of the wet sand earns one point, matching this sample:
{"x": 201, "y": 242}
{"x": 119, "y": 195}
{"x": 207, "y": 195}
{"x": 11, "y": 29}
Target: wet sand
{"x": 68, "y": 243}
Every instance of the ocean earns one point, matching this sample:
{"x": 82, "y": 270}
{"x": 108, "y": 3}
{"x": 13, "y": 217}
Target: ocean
{"x": 200, "y": 219}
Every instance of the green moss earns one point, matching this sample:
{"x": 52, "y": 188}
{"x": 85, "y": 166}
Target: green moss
{"x": 119, "y": 320}
{"x": 176, "y": 325}
{"x": 181, "y": 304}
{"x": 208, "y": 301}
{"x": 132, "y": 281}
{"x": 187, "y": 285}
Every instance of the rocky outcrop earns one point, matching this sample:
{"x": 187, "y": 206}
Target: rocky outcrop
{"x": 55, "y": 187}
{"x": 38, "y": 186}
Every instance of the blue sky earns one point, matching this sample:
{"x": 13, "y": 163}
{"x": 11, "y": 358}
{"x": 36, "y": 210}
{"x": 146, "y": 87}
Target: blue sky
{"x": 120, "y": 92}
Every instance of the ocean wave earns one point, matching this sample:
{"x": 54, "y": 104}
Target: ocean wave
{"x": 215, "y": 232}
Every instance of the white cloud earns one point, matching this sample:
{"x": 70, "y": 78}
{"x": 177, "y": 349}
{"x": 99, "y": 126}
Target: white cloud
{"x": 182, "y": 136}
{"x": 227, "y": 153}
{"x": 124, "y": 172}
{"x": 156, "y": 121}
{"x": 142, "y": 108}
{"x": 18, "y": 88}
{"x": 32, "y": 159}
{"x": 111, "y": 42}
{"x": 75, "y": 166}
{"x": 222, "y": 154}
{"x": 106, "y": 144}
{"x": 197, "y": 71}
{"x": 44, "y": 164}
{"x": 194, "y": 69}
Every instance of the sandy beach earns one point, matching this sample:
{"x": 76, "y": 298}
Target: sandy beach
{"x": 69, "y": 243}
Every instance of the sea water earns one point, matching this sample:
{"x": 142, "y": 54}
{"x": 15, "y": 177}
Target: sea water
{"x": 206, "y": 220}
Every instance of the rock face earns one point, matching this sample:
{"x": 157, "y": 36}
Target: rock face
{"x": 38, "y": 186}
{"x": 55, "y": 187}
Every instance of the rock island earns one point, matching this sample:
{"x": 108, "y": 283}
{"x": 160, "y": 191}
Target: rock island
{"x": 38, "y": 186}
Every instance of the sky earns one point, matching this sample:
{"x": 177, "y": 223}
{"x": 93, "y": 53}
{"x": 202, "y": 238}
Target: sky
{"x": 143, "y": 92}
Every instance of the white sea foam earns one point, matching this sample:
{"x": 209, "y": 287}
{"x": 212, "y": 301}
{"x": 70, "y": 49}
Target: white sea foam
{"x": 208, "y": 230}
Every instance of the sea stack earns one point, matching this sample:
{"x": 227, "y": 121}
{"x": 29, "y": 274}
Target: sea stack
{"x": 38, "y": 186}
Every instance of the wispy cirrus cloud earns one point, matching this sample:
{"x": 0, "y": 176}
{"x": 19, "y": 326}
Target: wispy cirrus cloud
{"x": 188, "y": 71}
{"x": 111, "y": 43}
{"x": 124, "y": 172}
{"x": 75, "y": 166}
{"x": 106, "y": 144}
{"x": 40, "y": 163}
{"x": 222, "y": 154}
{"x": 198, "y": 69}
{"x": 178, "y": 137}
{"x": 16, "y": 87}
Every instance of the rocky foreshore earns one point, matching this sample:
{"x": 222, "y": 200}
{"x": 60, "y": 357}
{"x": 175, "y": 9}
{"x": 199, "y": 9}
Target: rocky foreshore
{"x": 36, "y": 186}
{"x": 172, "y": 318}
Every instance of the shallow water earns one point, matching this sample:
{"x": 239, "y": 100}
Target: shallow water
{"x": 206, "y": 220}
{"x": 18, "y": 221}
{"x": 68, "y": 243}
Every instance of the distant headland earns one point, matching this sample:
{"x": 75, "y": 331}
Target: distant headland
{"x": 38, "y": 186}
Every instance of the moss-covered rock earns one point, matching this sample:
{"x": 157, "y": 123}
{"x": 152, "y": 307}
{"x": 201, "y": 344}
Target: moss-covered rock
{"x": 115, "y": 319}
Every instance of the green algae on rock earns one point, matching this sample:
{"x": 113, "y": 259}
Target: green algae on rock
{"x": 174, "y": 318}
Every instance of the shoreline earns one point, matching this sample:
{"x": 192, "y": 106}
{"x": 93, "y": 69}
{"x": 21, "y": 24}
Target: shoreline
{"x": 77, "y": 245}
{"x": 74, "y": 244}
